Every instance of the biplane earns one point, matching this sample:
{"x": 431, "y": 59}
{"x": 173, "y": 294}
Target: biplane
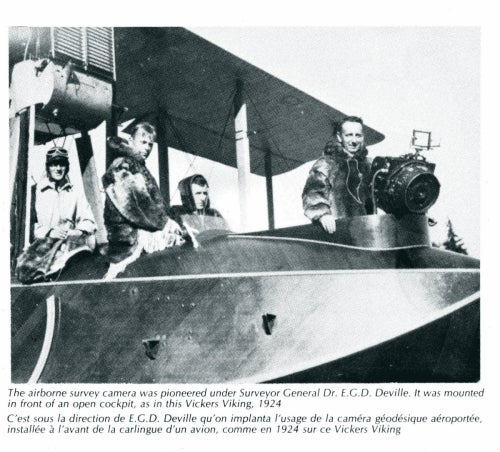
{"x": 372, "y": 302}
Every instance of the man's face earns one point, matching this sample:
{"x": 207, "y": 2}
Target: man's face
{"x": 200, "y": 195}
{"x": 351, "y": 136}
{"x": 57, "y": 170}
{"x": 142, "y": 142}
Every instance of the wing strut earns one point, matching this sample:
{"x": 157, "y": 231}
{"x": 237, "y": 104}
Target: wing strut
{"x": 269, "y": 188}
{"x": 163, "y": 168}
{"x": 242, "y": 153}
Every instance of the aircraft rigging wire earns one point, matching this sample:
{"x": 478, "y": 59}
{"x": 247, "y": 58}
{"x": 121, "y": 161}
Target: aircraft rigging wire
{"x": 177, "y": 134}
{"x": 268, "y": 130}
{"x": 183, "y": 146}
{"x": 221, "y": 136}
{"x": 51, "y": 134}
{"x": 63, "y": 132}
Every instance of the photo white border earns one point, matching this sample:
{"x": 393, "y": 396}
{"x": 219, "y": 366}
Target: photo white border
{"x": 361, "y": 13}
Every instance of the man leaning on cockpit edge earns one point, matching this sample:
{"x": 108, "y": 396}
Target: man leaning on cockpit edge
{"x": 338, "y": 182}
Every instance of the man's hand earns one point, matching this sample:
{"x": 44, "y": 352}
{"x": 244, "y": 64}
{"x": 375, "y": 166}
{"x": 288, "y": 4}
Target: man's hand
{"x": 328, "y": 223}
{"x": 172, "y": 227}
{"x": 74, "y": 233}
{"x": 58, "y": 233}
{"x": 192, "y": 233}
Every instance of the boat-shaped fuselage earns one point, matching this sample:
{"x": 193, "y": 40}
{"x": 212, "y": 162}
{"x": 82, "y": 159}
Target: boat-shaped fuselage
{"x": 372, "y": 302}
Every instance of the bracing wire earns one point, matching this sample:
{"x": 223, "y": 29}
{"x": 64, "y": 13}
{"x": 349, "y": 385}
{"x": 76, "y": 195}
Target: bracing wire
{"x": 183, "y": 143}
{"x": 50, "y": 133}
{"x": 268, "y": 131}
{"x": 226, "y": 122}
{"x": 63, "y": 132}
{"x": 183, "y": 146}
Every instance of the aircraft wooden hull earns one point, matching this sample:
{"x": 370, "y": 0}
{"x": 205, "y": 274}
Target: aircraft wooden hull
{"x": 254, "y": 309}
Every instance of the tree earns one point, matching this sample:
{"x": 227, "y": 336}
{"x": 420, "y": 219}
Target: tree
{"x": 453, "y": 242}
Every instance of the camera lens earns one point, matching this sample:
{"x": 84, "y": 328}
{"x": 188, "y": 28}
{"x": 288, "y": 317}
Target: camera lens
{"x": 421, "y": 193}
{"x": 404, "y": 185}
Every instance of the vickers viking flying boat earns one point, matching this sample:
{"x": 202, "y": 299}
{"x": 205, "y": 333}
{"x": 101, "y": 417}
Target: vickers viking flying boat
{"x": 373, "y": 302}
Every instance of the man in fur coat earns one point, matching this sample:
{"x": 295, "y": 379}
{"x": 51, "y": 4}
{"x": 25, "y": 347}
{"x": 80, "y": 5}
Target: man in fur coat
{"x": 135, "y": 213}
{"x": 338, "y": 183}
{"x": 195, "y": 215}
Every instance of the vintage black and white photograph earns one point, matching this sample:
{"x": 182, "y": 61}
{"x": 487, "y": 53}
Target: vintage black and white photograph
{"x": 244, "y": 205}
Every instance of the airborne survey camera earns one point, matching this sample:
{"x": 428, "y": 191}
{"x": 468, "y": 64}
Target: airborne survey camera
{"x": 406, "y": 184}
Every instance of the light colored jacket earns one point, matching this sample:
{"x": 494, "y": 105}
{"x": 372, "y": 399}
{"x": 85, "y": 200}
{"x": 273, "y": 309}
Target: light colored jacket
{"x": 54, "y": 207}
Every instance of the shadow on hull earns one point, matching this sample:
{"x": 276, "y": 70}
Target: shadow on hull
{"x": 446, "y": 350}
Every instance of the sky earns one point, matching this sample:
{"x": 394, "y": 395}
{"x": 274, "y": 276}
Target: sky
{"x": 397, "y": 79}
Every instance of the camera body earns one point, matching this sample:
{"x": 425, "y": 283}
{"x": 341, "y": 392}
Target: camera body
{"x": 402, "y": 185}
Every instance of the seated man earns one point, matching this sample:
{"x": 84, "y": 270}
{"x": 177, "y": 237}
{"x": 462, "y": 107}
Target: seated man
{"x": 338, "y": 185}
{"x": 135, "y": 213}
{"x": 64, "y": 223}
{"x": 195, "y": 215}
